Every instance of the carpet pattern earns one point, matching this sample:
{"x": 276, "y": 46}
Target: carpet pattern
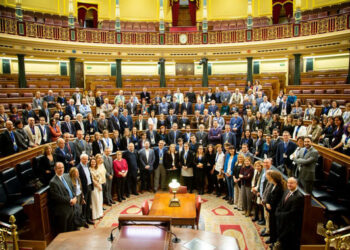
{"x": 216, "y": 216}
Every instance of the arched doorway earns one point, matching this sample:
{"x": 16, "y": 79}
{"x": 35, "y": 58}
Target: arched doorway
{"x": 184, "y": 12}
{"x": 88, "y": 15}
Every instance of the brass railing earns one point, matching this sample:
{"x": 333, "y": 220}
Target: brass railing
{"x": 337, "y": 239}
{"x": 9, "y": 232}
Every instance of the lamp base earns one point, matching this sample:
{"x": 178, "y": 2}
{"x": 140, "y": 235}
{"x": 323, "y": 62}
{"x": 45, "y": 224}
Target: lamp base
{"x": 174, "y": 202}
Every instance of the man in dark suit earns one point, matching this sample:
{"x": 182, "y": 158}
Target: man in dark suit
{"x": 131, "y": 107}
{"x": 141, "y": 124}
{"x": 63, "y": 199}
{"x": 275, "y": 140}
{"x": 98, "y": 146}
{"x": 284, "y": 107}
{"x": 146, "y": 160}
{"x": 68, "y": 127}
{"x": 9, "y": 140}
{"x": 187, "y": 163}
{"x": 284, "y": 150}
{"x": 159, "y": 169}
{"x": 171, "y": 119}
{"x": 186, "y": 105}
{"x": 70, "y": 149}
{"x": 87, "y": 186}
{"x": 62, "y": 155}
{"x": 307, "y": 159}
{"x": 125, "y": 121}
{"x": 202, "y": 136}
{"x": 187, "y": 135}
{"x": 145, "y": 95}
{"x": 28, "y": 112}
{"x": 152, "y": 135}
{"x": 175, "y": 106}
{"x": 113, "y": 123}
{"x": 102, "y": 123}
{"x": 228, "y": 137}
{"x": 174, "y": 135}
{"x": 80, "y": 146}
{"x": 131, "y": 157}
{"x": 107, "y": 187}
{"x": 191, "y": 95}
{"x": 44, "y": 131}
{"x": 289, "y": 214}
{"x": 45, "y": 112}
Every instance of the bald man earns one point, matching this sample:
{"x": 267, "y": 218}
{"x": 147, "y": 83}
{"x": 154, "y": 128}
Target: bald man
{"x": 289, "y": 214}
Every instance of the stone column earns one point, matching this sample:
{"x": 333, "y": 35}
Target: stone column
{"x": 250, "y": 69}
{"x": 73, "y": 82}
{"x": 297, "y": 69}
{"x": 22, "y": 82}
{"x": 118, "y": 80}
{"x": 162, "y": 72}
{"x": 204, "y": 62}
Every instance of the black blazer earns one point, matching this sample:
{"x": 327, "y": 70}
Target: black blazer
{"x": 280, "y": 160}
{"x": 44, "y": 165}
{"x": 48, "y": 136}
{"x": 203, "y": 161}
{"x": 143, "y": 122}
{"x": 168, "y": 160}
{"x": 289, "y": 216}
{"x": 258, "y": 147}
{"x": 7, "y": 144}
{"x": 99, "y": 101}
{"x": 83, "y": 179}
{"x": 274, "y": 198}
{"x": 64, "y": 128}
{"x": 171, "y": 136}
{"x": 189, "y": 161}
{"x": 124, "y": 143}
{"x": 42, "y": 113}
{"x": 175, "y": 106}
{"x": 132, "y": 160}
{"x": 156, "y": 154}
{"x": 168, "y": 122}
{"x": 78, "y": 127}
{"x": 145, "y": 96}
{"x": 64, "y": 158}
{"x": 156, "y": 139}
{"x": 96, "y": 147}
{"x": 113, "y": 124}
{"x": 288, "y": 108}
{"x": 162, "y": 123}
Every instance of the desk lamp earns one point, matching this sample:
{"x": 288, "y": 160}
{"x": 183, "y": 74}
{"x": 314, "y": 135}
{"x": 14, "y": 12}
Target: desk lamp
{"x": 174, "y": 185}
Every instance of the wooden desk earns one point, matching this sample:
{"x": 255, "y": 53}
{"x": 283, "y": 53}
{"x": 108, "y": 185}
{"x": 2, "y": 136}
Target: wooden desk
{"x": 183, "y": 215}
{"x": 97, "y": 239}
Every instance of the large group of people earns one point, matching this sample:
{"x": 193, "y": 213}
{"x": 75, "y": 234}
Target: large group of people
{"x": 176, "y": 137}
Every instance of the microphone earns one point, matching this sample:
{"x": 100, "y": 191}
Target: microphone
{"x": 111, "y": 237}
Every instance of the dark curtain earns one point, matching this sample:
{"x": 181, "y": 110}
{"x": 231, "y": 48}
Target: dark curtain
{"x": 193, "y": 8}
{"x": 83, "y": 8}
{"x": 175, "y": 5}
{"x": 289, "y": 9}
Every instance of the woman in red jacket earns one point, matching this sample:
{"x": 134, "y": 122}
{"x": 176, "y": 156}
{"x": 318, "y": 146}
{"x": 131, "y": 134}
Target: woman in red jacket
{"x": 55, "y": 130}
{"x": 120, "y": 167}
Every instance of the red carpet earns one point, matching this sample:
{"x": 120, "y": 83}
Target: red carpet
{"x": 183, "y": 29}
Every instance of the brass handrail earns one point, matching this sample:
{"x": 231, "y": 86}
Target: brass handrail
{"x": 9, "y": 230}
{"x": 340, "y": 237}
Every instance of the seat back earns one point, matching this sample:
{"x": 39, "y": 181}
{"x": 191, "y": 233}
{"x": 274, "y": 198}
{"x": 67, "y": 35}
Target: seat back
{"x": 337, "y": 176}
{"x": 3, "y": 196}
{"x": 25, "y": 172}
{"x": 36, "y": 166}
{"x": 13, "y": 187}
{"x": 8, "y": 174}
{"x": 145, "y": 208}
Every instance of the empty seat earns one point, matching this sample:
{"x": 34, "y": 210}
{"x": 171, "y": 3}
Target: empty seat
{"x": 54, "y": 86}
{"x": 11, "y": 86}
{"x": 319, "y": 91}
{"x": 13, "y": 95}
{"x": 307, "y": 91}
{"x": 27, "y": 177}
{"x": 27, "y": 94}
{"x": 7, "y": 209}
{"x": 31, "y": 86}
{"x": 296, "y": 91}
{"x": 317, "y": 83}
{"x": 346, "y": 91}
{"x": 331, "y": 91}
{"x": 3, "y": 95}
{"x": 305, "y": 83}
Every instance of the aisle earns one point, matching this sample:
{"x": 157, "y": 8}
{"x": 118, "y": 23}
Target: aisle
{"x": 216, "y": 216}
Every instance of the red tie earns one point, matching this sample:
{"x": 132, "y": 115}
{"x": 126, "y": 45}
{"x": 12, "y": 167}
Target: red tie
{"x": 287, "y": 197}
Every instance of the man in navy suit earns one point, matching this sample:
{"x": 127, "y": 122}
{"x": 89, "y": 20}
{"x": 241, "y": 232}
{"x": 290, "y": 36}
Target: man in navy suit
{"x": 228, "y": 136}
{"x": 113, "y": 122}
{"x": 62, "y": 155}
{"x": 175, "y": 105}
{"x": 152, "y": 135}
{"x": 44, "y": 131}
{"x": 68, "y": 127}
{"x": 171, "y": 119}
{"x": 132, "y": 158}
{"x": 284, "y": 107}
{"x": 284, "y": 150}
{"x": 186, "y": 105}
{"x": 159, "y": 169}
{"x": 212, "y": 108}
{"x": 125, "y": 121}
{"x": 174, "y": 134}
{"x": 236, "y": 123}
{"x": 145, "y": 95}
{"x": 45, "y": 112}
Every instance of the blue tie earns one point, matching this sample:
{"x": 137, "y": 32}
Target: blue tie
{"x": 305, "y": 152}
{"x": 13, "y": 141}
{"x": 67, "y": 187}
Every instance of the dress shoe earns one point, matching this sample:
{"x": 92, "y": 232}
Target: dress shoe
{"x": 209, "y": 191}
{"x": 127, "y": 196}
{"x": 135, "y": 193}
{"x": 225, "y": 198}
{"x": 218, "y": 195}
{"x": 123, "y": 198}
{"x": 119, "y": 200}
{"x": 261, "y": 222}
{"x": 109, "y": 204}
{"x": 90, "y": 222}
{"x": 268, "y": 241}
{"x": 263, "y": 231}
{"x": 86, "y": 225}
{"x": 254, "y": 219}
{"x": 112, "y": 201}
{"x": 103, "y": 209}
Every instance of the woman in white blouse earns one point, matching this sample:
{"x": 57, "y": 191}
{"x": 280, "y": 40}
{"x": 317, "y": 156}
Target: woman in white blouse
{"x": 179, "y": 96}
{"x": 299, "y": 129}
{"x": 218, "y": 170}
{"x": 107, "y": 141}
{"x": 153, "y": 120}
{"x": 346, "y": 114}
{"x": 335, "y": 110}
{"x": 98, "y": 174}
{"x": 309, "y": 112}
